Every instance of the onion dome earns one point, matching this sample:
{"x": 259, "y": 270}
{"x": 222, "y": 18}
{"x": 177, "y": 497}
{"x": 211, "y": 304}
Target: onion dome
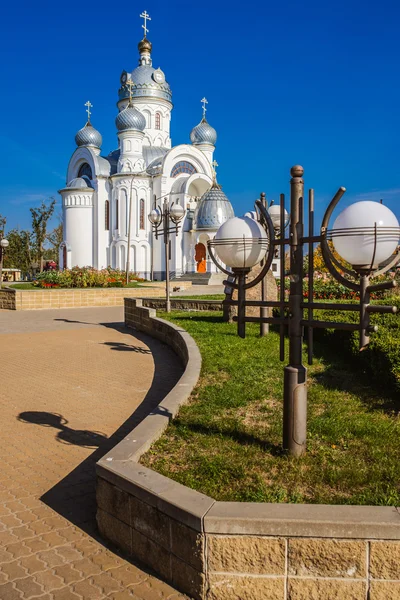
{"x": 213, "y": 209}
{"x": 88, "y": 136}
{"x": 148, "y": 82}
{"x": 130, "y": 119}
{"x": 203, "y": 133}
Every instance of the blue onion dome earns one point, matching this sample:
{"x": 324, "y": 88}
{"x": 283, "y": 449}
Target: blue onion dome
{"x": 88, "y": 136}
{"x": 203, "y": 133}
{"x": 213, "y": 209}
{"x": 130, "y": 118}
{"x": 148, "y": 82}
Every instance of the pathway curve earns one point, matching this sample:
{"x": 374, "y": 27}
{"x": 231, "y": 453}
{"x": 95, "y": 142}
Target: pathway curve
{"x": 69, "y": 379}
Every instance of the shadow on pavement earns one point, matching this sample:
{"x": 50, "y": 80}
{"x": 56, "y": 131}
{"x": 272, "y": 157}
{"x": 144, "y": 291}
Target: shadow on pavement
{"x": 74, "y": 496}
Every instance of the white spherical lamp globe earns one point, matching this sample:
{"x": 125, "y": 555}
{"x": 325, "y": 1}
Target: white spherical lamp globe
{"x": 155, "y": 217}
{"x": 358, "y": 247}
{"x": 241, "y": 243}
{"x": 177, "y": 212}
{"x": 275, "y": 214}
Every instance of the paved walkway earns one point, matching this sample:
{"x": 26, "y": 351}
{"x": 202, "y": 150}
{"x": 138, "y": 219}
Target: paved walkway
{"x": 69, "y": 380}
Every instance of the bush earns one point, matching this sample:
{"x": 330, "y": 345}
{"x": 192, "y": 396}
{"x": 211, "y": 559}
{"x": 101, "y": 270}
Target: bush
{"x": 81, "y": 277}
{"x": 330, "y": 289}
{"x": 381, "y": 358}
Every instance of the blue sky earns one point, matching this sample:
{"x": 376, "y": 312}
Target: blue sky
{"x": 288, "y": 82}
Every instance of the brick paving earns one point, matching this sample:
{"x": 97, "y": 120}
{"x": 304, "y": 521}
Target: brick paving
{"x": 72, "y": 382}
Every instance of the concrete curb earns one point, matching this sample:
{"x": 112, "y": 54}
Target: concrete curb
{"x": 218, "y": 550}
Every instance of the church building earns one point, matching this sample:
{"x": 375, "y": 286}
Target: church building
{"x": 107, "y": 199}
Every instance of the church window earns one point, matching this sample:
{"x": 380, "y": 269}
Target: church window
{"x": 158, "y": 120}
{"x": 183, "y": 167}
{"x": 107, "y": 215}
{"x": 116, "y": 213}
{"x": 142, "y": 211}
{"x": 85, "y": 170}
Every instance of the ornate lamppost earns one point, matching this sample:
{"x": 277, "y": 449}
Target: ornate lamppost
{"x": 160, "y": 220}
{"x": 366, "y": 235}
{"x": 3, "y": 245}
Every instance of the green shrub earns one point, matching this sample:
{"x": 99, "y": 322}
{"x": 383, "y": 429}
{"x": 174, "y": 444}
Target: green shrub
{"x": 381, "y": 358}
{"x": 81, "y": 277}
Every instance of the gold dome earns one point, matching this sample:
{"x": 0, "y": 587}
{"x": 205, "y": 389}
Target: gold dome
{"x": 144, "y": 46}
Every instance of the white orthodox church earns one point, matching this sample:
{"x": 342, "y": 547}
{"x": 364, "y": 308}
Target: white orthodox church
{"x": 104, "y": 192}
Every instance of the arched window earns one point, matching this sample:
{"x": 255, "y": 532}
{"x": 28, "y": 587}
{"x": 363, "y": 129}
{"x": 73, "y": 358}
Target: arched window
{"x": 107, "y": 215}
{"x": 183, "y": 167}
{"x": 158, "y": 120}
{"x": 85, "y": 170}
{"x": 116, "y": 213}
{"x": 142, "y": 207}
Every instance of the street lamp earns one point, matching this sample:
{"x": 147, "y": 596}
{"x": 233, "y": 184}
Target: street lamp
{"x": 3, "y": 245}
{"x": 240, "y": 243}
{"x": 366, "y": 235}
{"x": 161, "y": 218}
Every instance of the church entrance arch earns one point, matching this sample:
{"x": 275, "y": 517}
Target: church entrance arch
{"x": 200, "y": 258}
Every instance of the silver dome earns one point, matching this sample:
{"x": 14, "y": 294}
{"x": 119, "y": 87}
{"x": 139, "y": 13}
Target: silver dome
{"x": 79, "y": 183}
{"x": 145, "y": 85}
{"x": 203, "y": 133}
{"x": 88, "y": 136}
{"x": 130, "y": 118}
{"x": 213, "y": 209}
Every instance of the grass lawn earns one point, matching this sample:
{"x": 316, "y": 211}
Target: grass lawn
{"x": 227, "y": 441}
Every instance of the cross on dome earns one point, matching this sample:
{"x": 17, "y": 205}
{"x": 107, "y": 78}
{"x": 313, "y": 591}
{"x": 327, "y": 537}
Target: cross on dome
{"x": 89, "y": 106}
{"x": 214, "y": 166}
{"x": 204, "y": 102}
{"x": 130, "y": 85}
{"x": 146, "y": 18}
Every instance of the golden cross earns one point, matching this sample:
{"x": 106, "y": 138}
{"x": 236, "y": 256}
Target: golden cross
{"x": 89, "y": 106}
{"x": 146, "y": 18}
{"x": 204, "y": 101}
{"x": 130, "y": 85}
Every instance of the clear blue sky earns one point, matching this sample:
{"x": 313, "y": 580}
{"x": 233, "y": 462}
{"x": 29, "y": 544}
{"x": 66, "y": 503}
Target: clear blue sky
{"x": 312, "y": 82}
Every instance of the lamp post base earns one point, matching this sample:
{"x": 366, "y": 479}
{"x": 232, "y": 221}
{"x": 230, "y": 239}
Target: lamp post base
{"x": 295, "y": 410}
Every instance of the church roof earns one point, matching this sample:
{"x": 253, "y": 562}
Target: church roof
{"x": 154, "y": 157}
{"x": 213, "y": 209}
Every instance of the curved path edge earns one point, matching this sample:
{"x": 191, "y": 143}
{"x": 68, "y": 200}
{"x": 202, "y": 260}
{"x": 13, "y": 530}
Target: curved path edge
{"x": 211, "y": 549}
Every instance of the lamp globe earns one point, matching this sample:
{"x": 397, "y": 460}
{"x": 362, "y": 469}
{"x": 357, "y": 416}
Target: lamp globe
{"x": 176, "y": 212}
{"x": 275, "y": 214}
{"x": 357, "y": 246}
{"x": 241, "y": 243}
{"x": 4, "y": 243}
{"x": 155, "y": 216}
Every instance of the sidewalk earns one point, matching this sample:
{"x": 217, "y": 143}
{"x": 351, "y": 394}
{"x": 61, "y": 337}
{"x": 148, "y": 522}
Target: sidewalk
{"x": 72, "y": 382}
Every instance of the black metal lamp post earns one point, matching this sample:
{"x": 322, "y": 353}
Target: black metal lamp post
{"x": 160, "y": 220}
{"x": 3, "y": 245}
{"x": 367, "y": 237}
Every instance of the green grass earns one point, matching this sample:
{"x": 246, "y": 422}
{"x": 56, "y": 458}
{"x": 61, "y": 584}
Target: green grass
{"x": 21, "y": 286}
{"x": 227, "y": 441}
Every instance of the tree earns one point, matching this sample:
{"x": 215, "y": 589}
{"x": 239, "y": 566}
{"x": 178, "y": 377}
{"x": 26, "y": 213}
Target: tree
{"x": 54, "y": 238}
{"x": 19, "y": 251}
{"x": 40, "y": 219}
{"x": 3, "y": 221}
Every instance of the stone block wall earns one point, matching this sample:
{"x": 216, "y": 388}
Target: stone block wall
{"x": 7, "y": 299}
{"x": 73, "y": 298}
{"x": 236, "y": 551}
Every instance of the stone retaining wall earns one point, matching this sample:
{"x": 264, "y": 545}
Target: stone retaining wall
{"x": 7, "y": 299}
{"x": 240, "y": 551}
{"x": 182, "y": 303}
{"x": 74, "y": 298}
